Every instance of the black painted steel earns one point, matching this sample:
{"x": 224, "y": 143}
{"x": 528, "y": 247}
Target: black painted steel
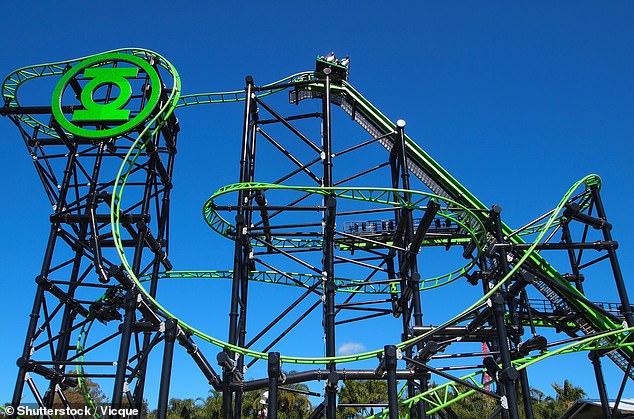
{"x": 80, "y": 263}
{"x": 79, "y": 257}
{"x": 595, "y": 357}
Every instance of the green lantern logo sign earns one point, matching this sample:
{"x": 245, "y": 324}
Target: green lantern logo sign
{"x": 111, "y": 115}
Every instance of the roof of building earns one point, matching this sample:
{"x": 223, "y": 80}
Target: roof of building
{"x": 591, "y": 409}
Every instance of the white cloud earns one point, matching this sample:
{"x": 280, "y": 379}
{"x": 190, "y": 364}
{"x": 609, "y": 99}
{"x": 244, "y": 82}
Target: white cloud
{"x": 350, "y": 348}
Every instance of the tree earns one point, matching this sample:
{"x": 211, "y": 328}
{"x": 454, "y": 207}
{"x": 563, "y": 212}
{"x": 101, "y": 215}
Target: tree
{"x": 477, "y": 405}
{"x": 473, "y": 406}
{"x": 291, "y": 405}
{"x": 294, "y": 405}
{"x": 212, "y": 407}
{"x": 548, "y": 407}
{"x": 364, "y": 391}
{"x": 185, "y": 408}
{"x": 568, "y": 392}
{"x": 251, "y": 406}
{"x": 85, "y": 393}
{"x": 536, "y": 394}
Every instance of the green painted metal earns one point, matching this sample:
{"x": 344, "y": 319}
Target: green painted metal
{"x": 466, "y": 198}
{"x": 84, "y": 390}
{"x": 232, "y": 96}
{"x": 348, "y": 285}
{"x": 458, "y": 214}
{"x": 119, "y": 188}
{"x": 69, "y": 68}
{"x": 612, "y": 335}
{"x": 460, "y": 194}
{"x": 443, "y": 396}
{"x": 105, "y": 112}
{"x": 113, "y": 111}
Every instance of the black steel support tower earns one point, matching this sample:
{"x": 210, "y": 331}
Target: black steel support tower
{"x": 81, "y": 286}
{"x": 331, "y": 213}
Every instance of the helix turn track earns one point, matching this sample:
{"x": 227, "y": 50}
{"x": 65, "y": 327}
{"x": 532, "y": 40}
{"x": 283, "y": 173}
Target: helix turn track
{"x": 113, "y": 116}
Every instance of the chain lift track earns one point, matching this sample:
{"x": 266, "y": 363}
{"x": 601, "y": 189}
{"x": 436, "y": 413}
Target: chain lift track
{"x": 105, "y": 150}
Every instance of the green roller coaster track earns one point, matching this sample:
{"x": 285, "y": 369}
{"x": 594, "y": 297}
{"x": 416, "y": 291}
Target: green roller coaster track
{"x": 449, "y": 191}
{"x": 602, "y": 322}
{"x": 464, "y": 218}
{"x": 445, "y": 395}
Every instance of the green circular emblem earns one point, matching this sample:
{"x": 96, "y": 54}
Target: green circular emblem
{"x": 118, "y": 111}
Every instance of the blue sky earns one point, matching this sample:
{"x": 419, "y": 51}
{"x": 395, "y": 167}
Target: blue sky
{"x": 516, "y": 102}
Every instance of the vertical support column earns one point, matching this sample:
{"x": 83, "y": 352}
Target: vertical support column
{"x": 508, "y": 373}
{"x": 328, "y": 270}
{"x": 565, "y": 228}
{"x": 389, "y": 352}
{"x": 242, "y": 318}
{"x": 411, "y": 293}
{"x": 424, "y": 386}
{"x": 61, "y": 349}
{"x": 144, "y": 353}
{"x": 327, "y": 130}
{"x": 514, "y": 308}
{"x": 93, "y": 202}
{"x": 69, "y": 170}
{"x": 162, "y": 236}
{"x": 35, "y": 316}
{"x": 171, "y": 329}
{"x": 328, "y": 265}
{"x": 595, "y": 357}
{"x": 244, "y": 170}
{"x": 238, "y": 258}
{"x": 397, "y": 308}
{"x": 606, "y": 228}
{"x": 246, "y": 256}
{"x": 414, "y": 277}
{"x": 526, "y": 391}
{"x": 124, "y": 348}
{"x": 274, "y": 378}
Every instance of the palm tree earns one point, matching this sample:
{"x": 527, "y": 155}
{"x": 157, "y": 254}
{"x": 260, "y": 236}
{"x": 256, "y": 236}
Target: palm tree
{"x": 370, "y": 391}
{"x": 185, "y": 408}
{"x": 292, "y": 404}
{"x": 212, "y": 407}
{"x": 568, "y": 392}
{"x": 536, "y": 394}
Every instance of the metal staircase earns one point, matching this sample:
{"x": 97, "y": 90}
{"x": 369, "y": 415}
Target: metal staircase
{"x": 619, "y": 359}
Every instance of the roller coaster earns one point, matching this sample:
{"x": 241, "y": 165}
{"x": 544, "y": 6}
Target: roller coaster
{"x": 354, "y": 222}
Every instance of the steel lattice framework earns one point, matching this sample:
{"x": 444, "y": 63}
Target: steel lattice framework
{"x": 345, "y": 221}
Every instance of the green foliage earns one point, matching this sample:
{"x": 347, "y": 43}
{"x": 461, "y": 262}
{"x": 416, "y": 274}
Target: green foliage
{"x": 189, "y": 408}
{"x": 472, "y": 406}
{"x": 291, "y": 405}
{"x": 547, "y": 407}
{"x": 477, "y": 405}
{"x": 89, "y": 394}
{"x": 76, "y": 398}
{"x": 370, "y": 391}
{"x": 296, "y": 406}
{"x": 568, "y": 392}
